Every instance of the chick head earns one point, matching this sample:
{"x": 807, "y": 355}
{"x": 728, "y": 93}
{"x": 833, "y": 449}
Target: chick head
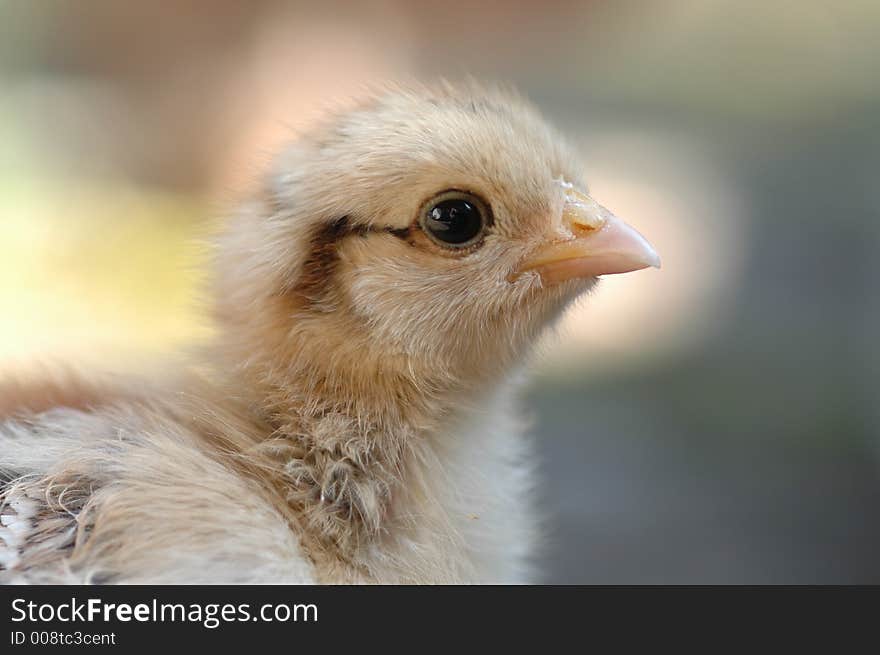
{"x": 438, "y": 227}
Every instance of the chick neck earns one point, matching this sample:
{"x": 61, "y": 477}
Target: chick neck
{"x": 352, "y": 424}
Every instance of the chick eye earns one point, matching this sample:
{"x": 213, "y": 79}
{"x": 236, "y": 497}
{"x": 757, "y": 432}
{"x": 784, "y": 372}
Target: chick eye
{"x": 454, "y": 219}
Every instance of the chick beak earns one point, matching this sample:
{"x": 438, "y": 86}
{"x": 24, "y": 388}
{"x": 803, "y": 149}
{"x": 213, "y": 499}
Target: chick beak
{"x": 593, "y": 242}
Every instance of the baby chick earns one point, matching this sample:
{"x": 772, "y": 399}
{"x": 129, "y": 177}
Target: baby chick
{"x": 354, "y": 420}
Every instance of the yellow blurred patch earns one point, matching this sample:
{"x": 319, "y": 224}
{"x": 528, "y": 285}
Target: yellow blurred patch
{"x": 97, "y": 274}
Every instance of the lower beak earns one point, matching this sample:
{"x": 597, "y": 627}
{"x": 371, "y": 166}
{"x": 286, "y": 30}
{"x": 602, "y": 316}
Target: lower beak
{"x": 599, "y": 244}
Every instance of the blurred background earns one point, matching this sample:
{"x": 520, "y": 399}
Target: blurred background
{"x": 714, "y": 422}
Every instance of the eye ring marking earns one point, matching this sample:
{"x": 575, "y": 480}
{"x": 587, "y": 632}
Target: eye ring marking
{"x": 455, "y": 220}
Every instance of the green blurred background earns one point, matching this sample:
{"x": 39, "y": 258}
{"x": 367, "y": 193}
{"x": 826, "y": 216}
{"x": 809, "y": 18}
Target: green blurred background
{"x": 716, "y": 421}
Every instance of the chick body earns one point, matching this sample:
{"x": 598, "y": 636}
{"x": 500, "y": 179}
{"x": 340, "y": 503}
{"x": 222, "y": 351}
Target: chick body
{"x": 355, "y": 419}
{"x": 187, "y": 486}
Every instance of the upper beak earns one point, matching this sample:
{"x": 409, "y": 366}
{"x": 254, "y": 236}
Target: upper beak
{"x": 595, "y": 242}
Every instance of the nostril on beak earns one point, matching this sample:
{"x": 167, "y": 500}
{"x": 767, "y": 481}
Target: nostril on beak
{"x": 581, "y": 227}
{"x": 582, "y": 214}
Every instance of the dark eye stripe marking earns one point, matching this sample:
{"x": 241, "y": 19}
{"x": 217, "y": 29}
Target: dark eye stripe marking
{"x": 320, "y": 265}
{"x": 322, "y": 259}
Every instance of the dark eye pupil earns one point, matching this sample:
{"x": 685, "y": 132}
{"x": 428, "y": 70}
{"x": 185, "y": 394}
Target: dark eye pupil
{"x": 454, "y": 221}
